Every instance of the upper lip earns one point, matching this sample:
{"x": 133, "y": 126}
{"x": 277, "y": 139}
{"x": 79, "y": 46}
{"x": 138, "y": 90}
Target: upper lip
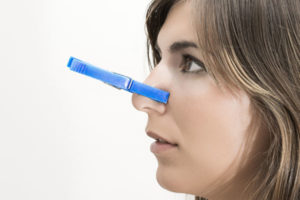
{"x": 156, "y": 136}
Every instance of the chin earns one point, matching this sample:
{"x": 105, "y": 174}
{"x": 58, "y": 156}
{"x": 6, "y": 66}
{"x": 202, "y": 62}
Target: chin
{"x": 167, "y": 183}
{"x": 170, "y": 181}
{"x": 174, "y": 181}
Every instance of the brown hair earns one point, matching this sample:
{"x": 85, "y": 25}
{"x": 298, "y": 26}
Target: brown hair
{"x": 253, "y": 45}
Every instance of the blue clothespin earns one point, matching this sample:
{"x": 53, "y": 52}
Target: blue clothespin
{"x": 118, "y": 81}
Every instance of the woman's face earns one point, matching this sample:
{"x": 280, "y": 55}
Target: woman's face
{"x": 207, "y": 122}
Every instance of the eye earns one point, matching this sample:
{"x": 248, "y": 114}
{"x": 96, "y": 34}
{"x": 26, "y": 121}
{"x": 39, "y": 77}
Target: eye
{"x": 191, "y": 64}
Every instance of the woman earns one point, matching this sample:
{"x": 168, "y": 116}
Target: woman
{"x": 232, "y": 68}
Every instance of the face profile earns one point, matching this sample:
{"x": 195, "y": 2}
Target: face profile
{"x": 207, "y": 122}
{"x": 225, "y": 118}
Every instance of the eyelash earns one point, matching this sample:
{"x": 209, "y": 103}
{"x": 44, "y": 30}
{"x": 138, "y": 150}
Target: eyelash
{"x": 185, "y": 58}
{"x": 188, "y": 58}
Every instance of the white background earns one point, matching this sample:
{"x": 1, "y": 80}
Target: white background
{"x": 64, "y": 135}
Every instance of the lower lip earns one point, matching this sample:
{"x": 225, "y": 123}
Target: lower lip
{"x": 158, "y": 147}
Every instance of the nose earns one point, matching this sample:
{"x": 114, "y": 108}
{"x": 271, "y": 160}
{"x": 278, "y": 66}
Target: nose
{"x": 155, "y": 79}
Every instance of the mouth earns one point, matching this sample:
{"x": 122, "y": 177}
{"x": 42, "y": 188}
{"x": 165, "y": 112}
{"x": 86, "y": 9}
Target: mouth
{"x": 160, "y": 139}
{"x": 159, "y": 148}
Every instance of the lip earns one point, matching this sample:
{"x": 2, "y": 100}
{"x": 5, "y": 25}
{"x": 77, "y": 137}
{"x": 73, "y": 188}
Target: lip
{"x": 156, "y": 136}
{"x": 159, "y": 148}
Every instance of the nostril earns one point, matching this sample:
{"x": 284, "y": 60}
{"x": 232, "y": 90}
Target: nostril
{"x": 139, "y": 102}
{"x": 147, "y": 105}
{"x": 134, "y": 101}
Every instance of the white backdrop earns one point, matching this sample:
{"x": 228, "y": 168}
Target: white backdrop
{"x": 64, "y": 135}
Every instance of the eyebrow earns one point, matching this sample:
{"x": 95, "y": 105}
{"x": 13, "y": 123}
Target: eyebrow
{"x": 177, "y": 46}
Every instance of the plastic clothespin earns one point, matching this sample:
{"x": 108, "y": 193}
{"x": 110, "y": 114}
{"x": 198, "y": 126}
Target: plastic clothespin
{"x": 118, "y": 81}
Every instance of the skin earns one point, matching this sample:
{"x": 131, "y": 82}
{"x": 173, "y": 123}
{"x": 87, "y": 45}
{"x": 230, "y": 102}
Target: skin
{"x": 216, "y": 150}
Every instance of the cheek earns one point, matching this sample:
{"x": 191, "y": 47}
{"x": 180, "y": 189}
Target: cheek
{"x": 213, "y": 127}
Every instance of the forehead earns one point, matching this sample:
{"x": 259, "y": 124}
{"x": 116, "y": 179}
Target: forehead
{"x": 178, "y": 25}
